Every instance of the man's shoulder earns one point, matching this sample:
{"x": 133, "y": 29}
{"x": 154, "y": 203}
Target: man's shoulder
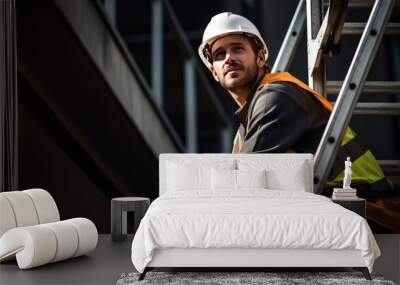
{"x": 279, "y": 92}
{"x": 285, "y": 87}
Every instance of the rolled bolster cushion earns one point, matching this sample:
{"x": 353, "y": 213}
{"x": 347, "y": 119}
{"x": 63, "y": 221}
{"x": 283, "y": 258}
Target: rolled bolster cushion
{"x": 40, "y": 244}
{"x": 87, "y": 235}
{"x": 22, "y": 207}
{"x": 67, "y": 240}
{"x": 33, "y": 246}
{"x": 45, "y": 205}
{"x": 7, "y": 219}
{"x": 26, "y": 208}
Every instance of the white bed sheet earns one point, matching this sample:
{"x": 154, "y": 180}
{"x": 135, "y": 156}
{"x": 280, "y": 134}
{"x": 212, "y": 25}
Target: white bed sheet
{"x": 251, "y": 218}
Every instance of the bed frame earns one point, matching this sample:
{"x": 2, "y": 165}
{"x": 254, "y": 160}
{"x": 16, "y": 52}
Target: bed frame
{"x": 247, "y": 258}
{"x": 256, "y": 258}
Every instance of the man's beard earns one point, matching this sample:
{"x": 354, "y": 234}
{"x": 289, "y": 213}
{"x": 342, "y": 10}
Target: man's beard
{"x": 245, "y": 82}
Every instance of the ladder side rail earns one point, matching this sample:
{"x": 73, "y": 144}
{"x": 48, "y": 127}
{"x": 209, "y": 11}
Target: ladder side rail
{"x": 316, "y": 78}
{"x": 292, "y": 39}
{"x": 328, "y": 33}
{"x": 350, "y": 91}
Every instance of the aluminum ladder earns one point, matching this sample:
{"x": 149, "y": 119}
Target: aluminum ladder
{"x": 323, "y": 39}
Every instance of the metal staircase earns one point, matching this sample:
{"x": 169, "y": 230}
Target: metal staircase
{"x": 323, "y": 38}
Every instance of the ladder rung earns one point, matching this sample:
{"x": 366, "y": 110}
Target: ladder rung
{"x": 385, "y": 87}
{"x": 390, "y": 167}
{"x": 358, "y": 28}
{"x": 360, "y": 3}
{"x": 388, "y": 109}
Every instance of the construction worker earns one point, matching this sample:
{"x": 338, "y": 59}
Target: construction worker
{"x": 278, "y": 113}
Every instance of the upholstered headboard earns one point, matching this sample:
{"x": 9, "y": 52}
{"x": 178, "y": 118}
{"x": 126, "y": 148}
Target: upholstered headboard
{"x": 268, "y": 161}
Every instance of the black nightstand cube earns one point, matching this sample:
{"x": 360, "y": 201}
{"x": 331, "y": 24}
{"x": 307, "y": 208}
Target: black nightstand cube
{"x": 119, "y": 209}
{"x": 356, "y": 205}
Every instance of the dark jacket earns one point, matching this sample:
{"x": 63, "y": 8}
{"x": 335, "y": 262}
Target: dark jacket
{"x": 280, "y": 117}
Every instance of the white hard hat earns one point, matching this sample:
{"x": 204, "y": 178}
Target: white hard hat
{"x": 224, "y": 24}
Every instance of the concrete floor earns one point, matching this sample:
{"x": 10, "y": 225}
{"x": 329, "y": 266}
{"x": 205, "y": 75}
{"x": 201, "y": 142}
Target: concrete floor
{"x": 388, "y": 264}
{"x": 110, "y": 259}
{"x": 102, "y": 266}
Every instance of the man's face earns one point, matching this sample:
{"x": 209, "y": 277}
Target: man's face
{"x": 235, "y": 65}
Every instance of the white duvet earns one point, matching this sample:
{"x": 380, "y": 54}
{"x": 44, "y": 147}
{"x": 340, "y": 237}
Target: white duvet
{"x": 250, "y": 219}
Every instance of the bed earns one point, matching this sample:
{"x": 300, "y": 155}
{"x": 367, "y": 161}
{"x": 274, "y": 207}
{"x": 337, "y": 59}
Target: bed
{"x": 246, "y": 211}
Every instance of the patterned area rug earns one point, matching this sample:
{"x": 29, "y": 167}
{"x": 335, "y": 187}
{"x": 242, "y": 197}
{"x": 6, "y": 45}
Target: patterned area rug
{"x": 229, "y": 278}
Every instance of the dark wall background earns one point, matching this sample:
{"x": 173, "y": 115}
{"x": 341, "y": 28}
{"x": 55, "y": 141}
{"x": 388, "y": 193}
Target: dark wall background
{"x": 48, "y": 158}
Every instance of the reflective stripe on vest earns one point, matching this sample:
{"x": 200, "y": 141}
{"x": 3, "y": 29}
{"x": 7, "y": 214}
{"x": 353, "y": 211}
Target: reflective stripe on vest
{"x": 365, "y": 169}
{"x": 364, "y": 166}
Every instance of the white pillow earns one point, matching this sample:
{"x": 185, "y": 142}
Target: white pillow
{"x": 292, "y": 179}
{"x": 251, "y": 178}
{"x": 281, "y": 175}
{"x": 187, "y": 177}
{"x": 225, "y": 179}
